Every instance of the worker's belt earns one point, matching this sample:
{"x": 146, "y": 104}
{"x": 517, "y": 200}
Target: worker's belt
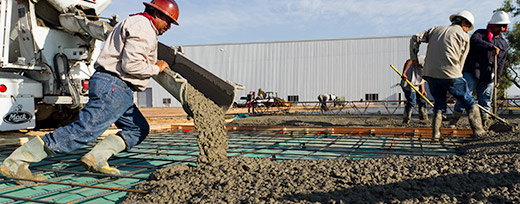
{"x": 103, "y": 70}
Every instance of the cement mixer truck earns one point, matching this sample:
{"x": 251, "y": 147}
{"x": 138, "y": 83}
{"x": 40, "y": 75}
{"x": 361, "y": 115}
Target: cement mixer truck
{"x": 47, "y": 55}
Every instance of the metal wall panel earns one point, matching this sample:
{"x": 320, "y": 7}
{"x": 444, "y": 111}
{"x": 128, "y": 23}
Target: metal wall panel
{"x": 345, "y": 67}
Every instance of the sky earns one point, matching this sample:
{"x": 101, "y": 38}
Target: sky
{"x": 237, "y": 21}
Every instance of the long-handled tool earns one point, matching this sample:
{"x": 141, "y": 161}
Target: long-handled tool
{"x": 490, "y": 113}
{"x": 495, "y": 107}
{"x": 495, "y": 78}
{"x": 411, "y": 85}
{"x": 479, "y": 106}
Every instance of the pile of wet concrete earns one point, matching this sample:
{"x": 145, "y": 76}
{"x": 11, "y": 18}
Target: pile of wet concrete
{"x": 487, "y": 171}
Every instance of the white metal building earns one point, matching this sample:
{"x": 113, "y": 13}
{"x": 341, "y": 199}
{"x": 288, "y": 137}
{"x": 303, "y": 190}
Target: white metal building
{"x": 357, "y": 68}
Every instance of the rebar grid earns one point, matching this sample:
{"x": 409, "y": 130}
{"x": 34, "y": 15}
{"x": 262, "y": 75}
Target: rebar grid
{"x": 70, "y": 183}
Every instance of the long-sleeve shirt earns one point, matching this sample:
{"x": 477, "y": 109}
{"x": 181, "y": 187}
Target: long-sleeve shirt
{"x": 130, "y": 51}
{"x": 448, "y": 47}
{"x": 481, "y": 62}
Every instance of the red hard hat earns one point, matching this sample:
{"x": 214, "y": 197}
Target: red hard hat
{"x": 168, "y": 7}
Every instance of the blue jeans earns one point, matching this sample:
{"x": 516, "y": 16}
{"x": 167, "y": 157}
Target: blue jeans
{"x": 456, "y": 87}
{"x": 413, "y": 98}
{"x": 110, "y": 102}
{"x": 484, "y": 91}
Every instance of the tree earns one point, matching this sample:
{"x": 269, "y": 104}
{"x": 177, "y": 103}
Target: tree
{"x": 513, "y": 55}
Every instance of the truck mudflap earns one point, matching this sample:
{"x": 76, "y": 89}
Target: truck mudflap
{"x": 184, "y": 70}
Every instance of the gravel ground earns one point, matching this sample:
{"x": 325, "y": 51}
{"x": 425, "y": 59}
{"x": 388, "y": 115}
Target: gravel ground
{"x": 488, "y": 171}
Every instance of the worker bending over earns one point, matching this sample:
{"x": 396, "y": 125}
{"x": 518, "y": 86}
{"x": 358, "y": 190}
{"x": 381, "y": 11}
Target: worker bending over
{"x": 414, "y": 75}
{"x": 448, "y": 47}
{"x": 126, "y": 63}
{"x": 323, "y": 98}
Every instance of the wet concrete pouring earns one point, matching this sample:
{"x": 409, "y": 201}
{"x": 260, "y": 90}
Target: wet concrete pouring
{"x": 485, "y": 171}
{"x": 208, "y": 119}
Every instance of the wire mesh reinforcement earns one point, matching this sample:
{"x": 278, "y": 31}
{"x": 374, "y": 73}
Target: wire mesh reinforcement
{"x": 68, "y": 182}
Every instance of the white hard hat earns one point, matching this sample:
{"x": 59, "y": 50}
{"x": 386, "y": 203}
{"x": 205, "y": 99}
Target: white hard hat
{"x": 500, "y": 17}
{"x": 467, "y": 15}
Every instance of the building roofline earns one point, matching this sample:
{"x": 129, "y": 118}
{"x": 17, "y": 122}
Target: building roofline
{"x": 289, "y": 41}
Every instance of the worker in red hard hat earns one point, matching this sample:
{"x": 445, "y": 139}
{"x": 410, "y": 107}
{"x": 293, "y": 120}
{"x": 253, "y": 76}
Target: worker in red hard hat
{"x": 125, "y": 64}
{"x": 487, "y": 47}
{"x": 167, "y": 11}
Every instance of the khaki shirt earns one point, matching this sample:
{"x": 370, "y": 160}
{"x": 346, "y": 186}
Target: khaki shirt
{"x": 448, "y": 47}
{"x": 130, "y": 51}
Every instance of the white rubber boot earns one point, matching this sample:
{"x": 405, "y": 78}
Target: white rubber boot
{"x": 407, "y": 115}
{"x": 17, "y": 164}
{"x": 486, "y": 119}
{"x": 475, "y": 121}
{"x": 96, "y": 159}
{"x": 423, "y": 113}
{"x": 436, "y": 125}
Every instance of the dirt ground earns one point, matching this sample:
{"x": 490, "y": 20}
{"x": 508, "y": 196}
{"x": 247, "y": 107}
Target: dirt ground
{"x": 488, "y": 171}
